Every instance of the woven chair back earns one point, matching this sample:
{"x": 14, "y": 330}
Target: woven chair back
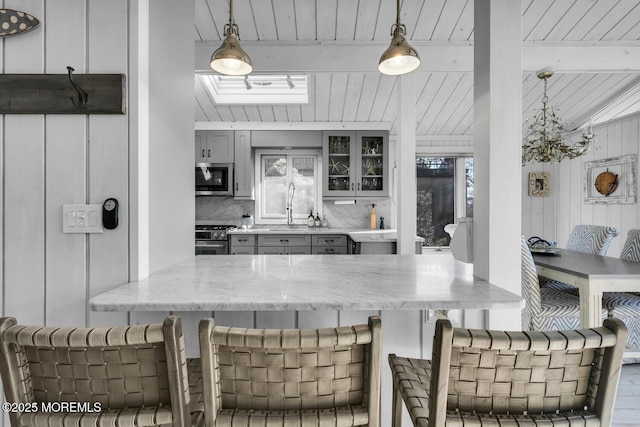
{"x": 291, "y": 369}
{"x": 118, "y": 367}
{"x": 525, "y": 373}
{"x": 591, "y": 239}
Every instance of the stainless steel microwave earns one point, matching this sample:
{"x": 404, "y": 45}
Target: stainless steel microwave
{"x": 214, "y": 179}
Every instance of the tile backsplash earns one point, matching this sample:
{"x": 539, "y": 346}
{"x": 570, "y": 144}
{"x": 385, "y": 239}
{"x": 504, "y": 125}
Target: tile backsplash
{"x": 226, "y": 210}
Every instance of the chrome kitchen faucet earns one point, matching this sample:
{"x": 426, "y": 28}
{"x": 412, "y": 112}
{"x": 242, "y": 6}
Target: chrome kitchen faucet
{"x": 290, "y": 193}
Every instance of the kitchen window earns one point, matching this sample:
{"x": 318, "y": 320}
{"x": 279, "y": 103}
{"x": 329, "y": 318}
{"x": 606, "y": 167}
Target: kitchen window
{"x": 284, "y": 178}
{"x": 445, "y": 192}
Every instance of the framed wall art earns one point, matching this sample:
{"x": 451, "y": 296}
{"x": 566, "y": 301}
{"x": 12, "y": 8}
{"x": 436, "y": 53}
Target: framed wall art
{"x": 539, "y": 184}
{"x": 610, "y": 180}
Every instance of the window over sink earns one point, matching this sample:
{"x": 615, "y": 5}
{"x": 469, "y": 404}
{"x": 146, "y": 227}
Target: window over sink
{"x": 286, "y": 178}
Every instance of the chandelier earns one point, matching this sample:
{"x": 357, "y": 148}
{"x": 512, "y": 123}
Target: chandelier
{"x": 546, "y": 140}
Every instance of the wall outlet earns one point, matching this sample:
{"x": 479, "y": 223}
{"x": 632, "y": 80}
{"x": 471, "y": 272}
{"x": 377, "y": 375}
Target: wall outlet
{"x": 82, "y": 219}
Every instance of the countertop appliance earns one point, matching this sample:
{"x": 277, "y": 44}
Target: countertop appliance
{"x": 212, "y": 239}
{"x": 214, "y": 179}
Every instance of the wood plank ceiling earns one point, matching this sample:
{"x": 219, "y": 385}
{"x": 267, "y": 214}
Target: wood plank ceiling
{"x": 445, "y": 99}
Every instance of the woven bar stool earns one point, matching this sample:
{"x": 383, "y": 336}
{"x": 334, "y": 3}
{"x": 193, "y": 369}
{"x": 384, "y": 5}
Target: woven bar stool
{"x": 483, "y": 377}
{"x": 134, "y": 375}
{"x": 291, "y": 377}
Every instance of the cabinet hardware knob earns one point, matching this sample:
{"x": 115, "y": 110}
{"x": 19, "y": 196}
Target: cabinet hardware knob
{"x": 208, "y": 153}
{"x": 358, "y": 186}
{"x": 328, "y": 240}
{"x": 352, "y": 186}
{"x": 203, "y": 152}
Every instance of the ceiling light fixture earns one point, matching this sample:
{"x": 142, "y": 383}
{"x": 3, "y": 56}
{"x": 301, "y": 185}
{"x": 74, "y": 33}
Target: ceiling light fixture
{"x": 400, "y": 57}
{"x": 547, "y": 140}
{"x": 229, "y": 58}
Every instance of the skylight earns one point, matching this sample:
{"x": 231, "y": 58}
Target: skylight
{"x": 257, "y": 88}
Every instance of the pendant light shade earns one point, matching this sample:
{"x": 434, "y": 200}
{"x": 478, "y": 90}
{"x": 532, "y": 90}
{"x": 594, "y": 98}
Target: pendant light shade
{"x": 400, "y": 57}
{"x": 230, "y": 58}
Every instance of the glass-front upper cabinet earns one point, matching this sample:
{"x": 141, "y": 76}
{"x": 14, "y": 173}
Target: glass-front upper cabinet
{"x": 338, "y": 155}
{"x": 356, "y": 164}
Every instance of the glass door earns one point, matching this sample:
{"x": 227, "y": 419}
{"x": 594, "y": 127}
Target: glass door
{"x": 339, "y": 159}
{"x": 372, "y": 161}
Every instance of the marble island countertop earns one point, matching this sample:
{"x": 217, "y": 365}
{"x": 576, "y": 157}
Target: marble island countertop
{"x": 309, "y": 282}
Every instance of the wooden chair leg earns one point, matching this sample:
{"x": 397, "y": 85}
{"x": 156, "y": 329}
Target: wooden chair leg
{"x": 396, "y": 407}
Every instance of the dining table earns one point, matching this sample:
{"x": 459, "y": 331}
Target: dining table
{"x": 592, "y": 275}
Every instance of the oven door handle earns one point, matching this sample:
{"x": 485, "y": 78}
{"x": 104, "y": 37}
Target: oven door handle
{"x": 201, "y": 244}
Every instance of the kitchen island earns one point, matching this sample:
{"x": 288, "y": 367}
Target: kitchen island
{"x": 309, "y": 282}
{"x": 313, "y": 291}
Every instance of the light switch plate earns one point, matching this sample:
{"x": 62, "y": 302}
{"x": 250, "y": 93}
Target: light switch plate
{"x": 82, "y": 219}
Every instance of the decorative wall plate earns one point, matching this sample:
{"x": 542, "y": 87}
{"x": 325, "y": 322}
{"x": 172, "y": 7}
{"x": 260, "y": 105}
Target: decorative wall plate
{"x": 606, "y": 183}
{"x": 15, "y": 22}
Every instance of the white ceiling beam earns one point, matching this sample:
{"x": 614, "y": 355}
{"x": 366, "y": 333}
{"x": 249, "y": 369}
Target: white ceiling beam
{"x": 582, "y": 58}
{"x": 311, "y": 57}
{"x": 574, "y": 57}
{"x": 292, "y": 125}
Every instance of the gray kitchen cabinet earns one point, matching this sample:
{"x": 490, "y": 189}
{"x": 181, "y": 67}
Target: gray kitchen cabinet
{"x": 356, "y": 164}
{"x": 243, "y": 172}
{"x": 213, "y": 146}
{"x": 284, "y": 244}
{"x": 330, "y": 244}
{"x": 242, "y": 244}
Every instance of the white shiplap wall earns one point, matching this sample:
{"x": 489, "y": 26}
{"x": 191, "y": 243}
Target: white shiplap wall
{"x": 51, "y": 160}
{"x": 553, "y": 217}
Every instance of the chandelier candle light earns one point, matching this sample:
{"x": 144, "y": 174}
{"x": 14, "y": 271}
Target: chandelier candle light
{"x": 229, "y": 58}
{"x": 547, "y": 140}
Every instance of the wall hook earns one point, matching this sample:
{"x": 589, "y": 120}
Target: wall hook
{"x": 81, "y": 100}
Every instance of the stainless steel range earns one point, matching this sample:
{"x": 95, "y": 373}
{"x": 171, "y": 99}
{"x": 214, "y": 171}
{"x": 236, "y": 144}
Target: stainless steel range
{"x": 212, "y": 239}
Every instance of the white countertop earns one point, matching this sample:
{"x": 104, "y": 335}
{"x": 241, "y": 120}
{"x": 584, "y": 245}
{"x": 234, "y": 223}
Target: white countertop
{"x": 279, "y": 229}
{"x": 358, "y": 235}
{"x": 372, "y": 236}
{"x": 309, "y": 282}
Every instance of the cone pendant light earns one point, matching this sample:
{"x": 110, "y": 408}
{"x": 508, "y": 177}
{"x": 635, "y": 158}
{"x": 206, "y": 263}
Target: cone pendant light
{"x": 400, "y": 57}
{"x": 229, "y": 58}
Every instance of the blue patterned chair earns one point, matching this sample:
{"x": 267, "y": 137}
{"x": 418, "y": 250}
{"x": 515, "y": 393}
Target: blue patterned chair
{"x": 590, "y": 239}
{"x": 546, "y": 309}
{"x": 626, "y": 306}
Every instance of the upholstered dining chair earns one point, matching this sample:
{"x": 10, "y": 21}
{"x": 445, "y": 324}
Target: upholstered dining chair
{"x": 128, "y": 375}
{"x": 301, "y": 377}
{"x": 626, "y": 306}
{"x": 483, "y": 377}
{"x": 590, "y": 239}
{"x": 546, "y": 309}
